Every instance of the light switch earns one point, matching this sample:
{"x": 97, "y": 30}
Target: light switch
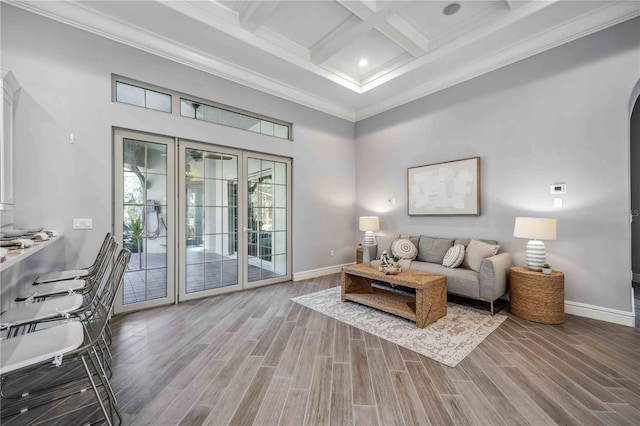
{"x": 82, "y": 223}
{"x": 557, "y": 203}
{"x": 558, "y": 188}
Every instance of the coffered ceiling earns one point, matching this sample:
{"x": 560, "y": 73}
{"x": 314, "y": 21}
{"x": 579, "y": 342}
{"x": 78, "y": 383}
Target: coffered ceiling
{"x": 352, "y": 59}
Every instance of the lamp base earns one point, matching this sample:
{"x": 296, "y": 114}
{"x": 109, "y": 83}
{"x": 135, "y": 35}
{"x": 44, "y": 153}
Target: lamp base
{"x": 369, "y": 238}
{"x": 366, "y": 253}
{"x": 536, "y": 255}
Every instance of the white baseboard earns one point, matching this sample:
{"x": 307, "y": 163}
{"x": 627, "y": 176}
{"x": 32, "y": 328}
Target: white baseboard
{"x": 603, "y": 314}
{"x": 312, "y": 273}
{"x": 636, "y": 278}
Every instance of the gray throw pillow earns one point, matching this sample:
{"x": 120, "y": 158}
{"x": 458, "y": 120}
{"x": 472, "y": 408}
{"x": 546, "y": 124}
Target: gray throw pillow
{"x": 432, "y": 250}
{"x": 476, "y": 252}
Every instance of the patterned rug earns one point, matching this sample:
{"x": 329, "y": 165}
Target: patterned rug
{"x": 449, "y": 340}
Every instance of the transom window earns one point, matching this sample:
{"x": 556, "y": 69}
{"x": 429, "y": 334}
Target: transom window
{"x": 201, "y": 111}
{"x": 134, "y": 95}
{"x": 152, "y": 97}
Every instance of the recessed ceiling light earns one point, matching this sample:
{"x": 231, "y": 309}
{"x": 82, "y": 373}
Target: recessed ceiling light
{"x": 363, "y": 62}
{"x": 451, "y": 9}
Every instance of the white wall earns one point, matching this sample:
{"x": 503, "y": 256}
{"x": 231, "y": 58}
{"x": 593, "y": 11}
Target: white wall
{"x": 65, "y": 76}
{"x": 560, "y": 116}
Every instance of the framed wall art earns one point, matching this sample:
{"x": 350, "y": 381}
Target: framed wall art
{"x": 451, "y": 188}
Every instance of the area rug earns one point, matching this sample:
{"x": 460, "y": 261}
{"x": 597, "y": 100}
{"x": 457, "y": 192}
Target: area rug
{"x": 449, "y": 340}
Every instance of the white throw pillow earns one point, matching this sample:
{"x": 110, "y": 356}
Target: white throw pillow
{"x": 404, "y": 249}
{"x": 454, "y": 256}
{"x": 476, "y": 252}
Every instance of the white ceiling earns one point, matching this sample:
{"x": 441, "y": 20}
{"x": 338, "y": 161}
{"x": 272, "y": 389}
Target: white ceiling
{"x": 308, "y": 51}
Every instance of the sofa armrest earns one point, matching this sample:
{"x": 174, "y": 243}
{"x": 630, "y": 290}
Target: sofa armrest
{"x": 494, "y": 274}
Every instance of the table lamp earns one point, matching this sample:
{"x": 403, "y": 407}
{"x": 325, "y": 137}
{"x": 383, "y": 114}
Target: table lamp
{"x": 368, "y": 224}
{"x": 536, "y": 229}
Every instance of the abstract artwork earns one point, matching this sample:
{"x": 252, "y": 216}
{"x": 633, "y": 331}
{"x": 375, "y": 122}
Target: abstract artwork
{"x": 451, "y": 188}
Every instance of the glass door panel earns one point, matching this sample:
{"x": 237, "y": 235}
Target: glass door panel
{"x": 208, "y": 179}
{"x": 268, "y": 219}
{"x": 144, "y": 218}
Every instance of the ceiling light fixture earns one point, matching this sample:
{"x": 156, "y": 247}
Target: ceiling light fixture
{"x": 363, "y": 62}
{"x": 451, "y": 9}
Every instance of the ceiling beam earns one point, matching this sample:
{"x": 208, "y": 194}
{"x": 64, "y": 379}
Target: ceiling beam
{"x": 349, "y": 31}
{"x": 255, "y": 13}
{"x": 395, "y": 28}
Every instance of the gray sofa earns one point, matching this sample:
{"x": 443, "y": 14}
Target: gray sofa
{"x": 487, "y": 284}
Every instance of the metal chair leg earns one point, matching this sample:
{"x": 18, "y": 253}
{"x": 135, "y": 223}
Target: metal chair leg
{"x": 107, "y": 417}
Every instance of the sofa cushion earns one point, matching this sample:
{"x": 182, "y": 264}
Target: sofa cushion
{"x": 404, "y": 249}
{"x": 384, "y": 244}
{"x": 454, "y": 256}
{"x": 476, "y": 252}
{"x": 463, "y": 282}
{"x": 432, "y": 250}
{"x": 465, "y": 241}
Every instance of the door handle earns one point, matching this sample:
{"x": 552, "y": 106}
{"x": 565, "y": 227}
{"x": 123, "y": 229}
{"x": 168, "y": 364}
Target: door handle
{"x": 247, "y": 229}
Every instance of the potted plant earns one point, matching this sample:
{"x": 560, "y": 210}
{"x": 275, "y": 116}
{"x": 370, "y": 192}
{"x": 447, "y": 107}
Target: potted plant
{"x": 546, "y": 269}
{"x": 396, "y": 263}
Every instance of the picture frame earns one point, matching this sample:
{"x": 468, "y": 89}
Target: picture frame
{"x": 450, "y": 188}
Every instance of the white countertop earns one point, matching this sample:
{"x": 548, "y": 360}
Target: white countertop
{"x": 16, "y": 256}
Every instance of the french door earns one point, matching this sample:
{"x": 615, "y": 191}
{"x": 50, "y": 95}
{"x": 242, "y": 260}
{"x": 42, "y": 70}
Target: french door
{"x": 144, "y": 218}
{"x": 234, "y": 220}
{"x": 200, "y": 219}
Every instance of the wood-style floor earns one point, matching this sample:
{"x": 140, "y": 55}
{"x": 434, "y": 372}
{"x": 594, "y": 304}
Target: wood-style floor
{"x": 255, "y": 357}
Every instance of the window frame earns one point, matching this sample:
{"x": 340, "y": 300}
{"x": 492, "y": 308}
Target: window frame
{"x": 176, "y": 98}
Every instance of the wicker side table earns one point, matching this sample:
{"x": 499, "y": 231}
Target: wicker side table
{"x": 537, "y": 297}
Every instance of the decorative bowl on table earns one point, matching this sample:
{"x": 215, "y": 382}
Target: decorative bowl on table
{"x": 392, "y": 270}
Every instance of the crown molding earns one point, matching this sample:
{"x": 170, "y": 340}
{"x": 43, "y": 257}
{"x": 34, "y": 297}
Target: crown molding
{"x": 78, "y": 16}
{"x": 82, "y": 17}
{"x": 604, "y": 17}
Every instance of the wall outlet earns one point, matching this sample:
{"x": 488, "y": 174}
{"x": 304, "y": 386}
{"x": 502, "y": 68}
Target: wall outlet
{"x": 82, "y": 223}
{"x": 332, "y": 253}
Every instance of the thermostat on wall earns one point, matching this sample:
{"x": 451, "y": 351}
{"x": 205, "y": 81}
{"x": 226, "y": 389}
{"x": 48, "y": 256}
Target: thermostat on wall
{"x": 559, "y": 188}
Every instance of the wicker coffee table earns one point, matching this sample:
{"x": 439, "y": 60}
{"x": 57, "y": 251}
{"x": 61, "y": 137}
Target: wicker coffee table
{"x": 426, "y": 307}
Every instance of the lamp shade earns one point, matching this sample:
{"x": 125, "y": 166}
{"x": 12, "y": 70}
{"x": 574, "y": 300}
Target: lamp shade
{"x": 369, "y": 223}
{"x": 535, "y": 228}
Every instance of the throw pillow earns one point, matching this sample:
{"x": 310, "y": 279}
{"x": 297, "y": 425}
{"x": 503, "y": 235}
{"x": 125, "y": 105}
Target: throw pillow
{"x": 476, "y": 252}
{"x": 404, "y": 249}
{"x": 432, "y": 250}
{"x": 454, "y": 256}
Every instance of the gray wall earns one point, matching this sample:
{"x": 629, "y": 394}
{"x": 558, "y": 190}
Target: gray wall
{"x": 635, "y": 188}
{"x": 65, "y": 76}
{"x": 560, "y": 116}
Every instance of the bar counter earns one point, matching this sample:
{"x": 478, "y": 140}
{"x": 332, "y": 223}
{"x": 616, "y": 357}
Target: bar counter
{"x": 21, "y": 267}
